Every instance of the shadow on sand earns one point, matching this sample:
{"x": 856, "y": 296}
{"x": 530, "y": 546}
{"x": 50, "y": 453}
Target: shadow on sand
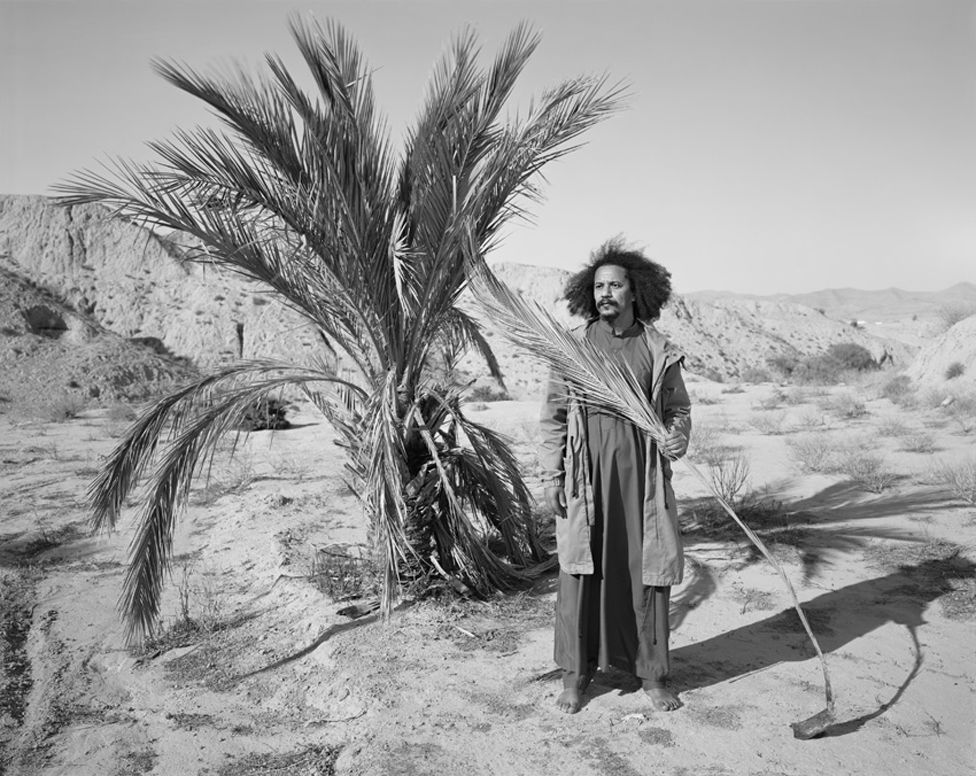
{"x": 838, "y": 618}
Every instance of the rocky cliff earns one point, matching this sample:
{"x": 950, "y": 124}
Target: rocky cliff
{"x": 136, "y": 283}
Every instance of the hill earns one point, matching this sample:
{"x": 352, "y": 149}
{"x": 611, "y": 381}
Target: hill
{"x": 138, "y": 284}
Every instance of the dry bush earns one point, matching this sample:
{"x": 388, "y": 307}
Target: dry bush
{"x": 772, "y": 401}
{"x": 898, "y": 390}
{"x": 811, "y": 419}
{"x": 954, "y": 370}
{"x": 959, "y": 477}
{"x": 918, "y": 442}
{"x": 814, "y": 452}
{"x": 868, "y": 471}
{"x": 961, "y": 410}
{"x": 59, "y": 408}
{"x": 755, "y": 374}
{"x": 771, "y": 423}
{"x": 734, "y": 389}
{"x": 847, "y": 405}
{"x": 121, "y": 412}
{"x": 891, "y": 427}
{"x": 729, "y": 475}
{"x": 798, "y": 395}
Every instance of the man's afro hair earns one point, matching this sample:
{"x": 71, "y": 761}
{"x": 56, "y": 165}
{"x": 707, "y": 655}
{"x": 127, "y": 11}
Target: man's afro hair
{"x": 649, "y": 281}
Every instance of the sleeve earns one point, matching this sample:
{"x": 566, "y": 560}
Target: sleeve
{"x": 552, "y": 427}
{"x": 677, "y": 403}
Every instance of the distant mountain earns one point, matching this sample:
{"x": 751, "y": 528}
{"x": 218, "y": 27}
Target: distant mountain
{"x": 846, "y": 304}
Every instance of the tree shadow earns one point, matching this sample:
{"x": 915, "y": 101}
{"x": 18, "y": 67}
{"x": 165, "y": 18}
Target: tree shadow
{"x": 837, "y": 618}
{"x": 837, "y": 519}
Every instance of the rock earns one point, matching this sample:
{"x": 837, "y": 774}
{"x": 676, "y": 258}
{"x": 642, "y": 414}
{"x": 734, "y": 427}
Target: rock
{"x": 957, "y": 345}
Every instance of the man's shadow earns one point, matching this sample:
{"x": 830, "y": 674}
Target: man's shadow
{"x": 837, "y": 618}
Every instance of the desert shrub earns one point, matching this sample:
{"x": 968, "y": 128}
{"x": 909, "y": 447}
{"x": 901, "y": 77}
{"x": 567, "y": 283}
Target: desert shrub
{"x": 704, "y": 399}
{"x": 814, "y": 452}
{"x": 784, "y": 364}
{"x": 891, "y": 427}
{"x": 770, "y": 401}
{"x": 851, "y": 356}
{"x": 847, "y": 405}
{"x": 868, "y": 471}
{"x": 121, "y": 413}
{"x": 954, "y": 370}
{"x": 59, "y": 408}
{"x": 769, "y": 423}
{"x": 734, "y": 389}
{"x": 961, "y": 410}
{"x": 898, "y": 390}
{"x": 729, "y": 475}
{"x": 264, "y": 414}
{"x": 797, "y": 395}
{"x": 755, "y": 374}
{"x": 811, "y": 419}
{"x": 487, "y": 393}
{"x": 918, "y": 442}
{"x": 959, "y": 477}
{"x": 820, "y": 370}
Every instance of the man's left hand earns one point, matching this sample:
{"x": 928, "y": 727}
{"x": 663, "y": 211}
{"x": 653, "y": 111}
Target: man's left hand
{"x": 675, "y": 444}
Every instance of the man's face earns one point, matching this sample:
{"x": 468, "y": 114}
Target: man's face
{"x": 612, "y": 292}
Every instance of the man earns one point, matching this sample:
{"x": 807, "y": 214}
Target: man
{"x": 617, "y": 530}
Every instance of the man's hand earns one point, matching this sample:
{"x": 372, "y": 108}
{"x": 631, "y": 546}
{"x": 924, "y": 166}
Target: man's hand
{"x": 556, "y": 499}
{"x": 675, "y": 445}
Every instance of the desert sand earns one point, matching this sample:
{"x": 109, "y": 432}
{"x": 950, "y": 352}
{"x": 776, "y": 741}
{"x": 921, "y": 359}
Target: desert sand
{"x": 273, "y": 680}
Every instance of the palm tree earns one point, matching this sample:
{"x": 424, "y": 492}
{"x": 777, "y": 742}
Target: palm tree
{"x": 304, "y": 194}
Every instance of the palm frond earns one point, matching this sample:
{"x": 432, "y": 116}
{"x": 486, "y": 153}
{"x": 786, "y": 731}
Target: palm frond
{"x": 198, "y": 416}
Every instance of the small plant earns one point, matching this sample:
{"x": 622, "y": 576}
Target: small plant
{"x": 121, "y": 413}
{"x": 755, "y": 374}
{"x": 959, "y": 477}
{"x": 868, "y": 471}
{"x": 919, "y": 442}
{"x": 814, "y": 452}
{"x": 66, "y": 406}
{"x": 769, "y": 423}
{"x": 954, "y": 370}
{"x": 847, "y": 405}
{"x": 729, "y": 476}
{"x": 891, "y": 427}
{"x": 734, "y": 389}
{"x": 898, "y": 390}
{"x": 486, "y": 393}
{"x": 962, "y": 410}
{"x": 811, "y": 419}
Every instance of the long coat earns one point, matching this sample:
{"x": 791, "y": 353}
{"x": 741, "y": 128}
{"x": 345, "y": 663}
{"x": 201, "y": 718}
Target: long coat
{"x": 565, "y": 460}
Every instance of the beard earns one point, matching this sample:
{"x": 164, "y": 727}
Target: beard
{"x": 608, "y": 310}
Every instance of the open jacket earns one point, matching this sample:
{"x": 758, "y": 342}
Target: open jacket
{"x": 565, "y": 460}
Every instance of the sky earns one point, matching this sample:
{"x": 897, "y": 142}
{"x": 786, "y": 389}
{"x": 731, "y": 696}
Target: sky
{"x": 767, "y": 146}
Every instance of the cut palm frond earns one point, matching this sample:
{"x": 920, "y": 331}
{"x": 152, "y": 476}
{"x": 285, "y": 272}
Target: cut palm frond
{"x": 609, "y": 385}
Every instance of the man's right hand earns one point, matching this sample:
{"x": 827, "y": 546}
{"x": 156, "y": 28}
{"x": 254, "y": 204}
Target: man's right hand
{"x": 556, "y": 499}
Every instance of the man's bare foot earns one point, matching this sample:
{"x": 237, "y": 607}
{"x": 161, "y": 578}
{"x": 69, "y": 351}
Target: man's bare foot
{"x": 662, "y": 698}
{"x": 569, "y": 700}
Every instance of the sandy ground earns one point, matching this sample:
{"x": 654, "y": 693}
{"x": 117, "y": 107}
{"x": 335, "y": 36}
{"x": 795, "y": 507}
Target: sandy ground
{"x": 275, "y": 681}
